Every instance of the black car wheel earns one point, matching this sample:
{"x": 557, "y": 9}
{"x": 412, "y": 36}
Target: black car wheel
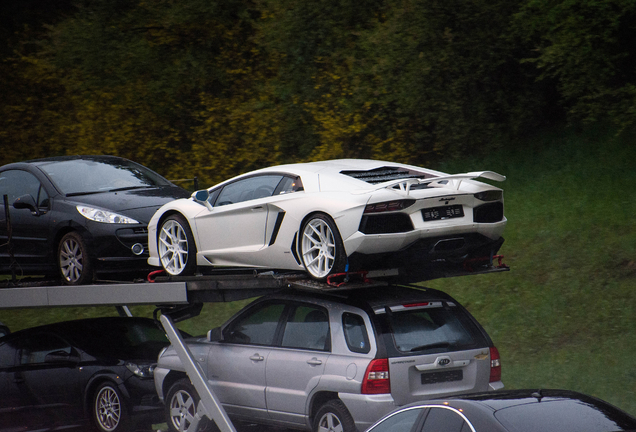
{"x": 73, "y": 260}
{"x": 176, "y": 247}
{"x": 333, "y": 416}
{"x": 321, "y": 247}
{"x": 181, "y": 407}
{"x": 109, "y": 413}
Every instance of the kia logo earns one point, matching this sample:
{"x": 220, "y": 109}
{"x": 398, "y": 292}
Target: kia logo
{"x": 444, "y": 362}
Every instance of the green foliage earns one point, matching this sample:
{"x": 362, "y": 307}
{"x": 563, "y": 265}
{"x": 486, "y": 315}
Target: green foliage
{"x": 447, "y": 71}
{"x": 589, "y": 47}
{"x": 212, "y": 89}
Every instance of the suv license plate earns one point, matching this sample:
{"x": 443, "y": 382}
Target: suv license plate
{"x": 445, "y": 376}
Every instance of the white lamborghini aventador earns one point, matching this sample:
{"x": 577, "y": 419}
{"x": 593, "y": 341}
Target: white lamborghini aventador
{"x": 331, "y": 217}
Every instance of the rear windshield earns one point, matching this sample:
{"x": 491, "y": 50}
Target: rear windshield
{"x": 431, "y": 327}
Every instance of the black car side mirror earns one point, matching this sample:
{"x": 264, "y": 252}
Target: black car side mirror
{"x": 215, "y": 335}
{"x": 26, "y": 202}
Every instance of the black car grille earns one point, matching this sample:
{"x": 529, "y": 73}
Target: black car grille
{"x": 385, "y": 223}
{"x": 489, "y": 213}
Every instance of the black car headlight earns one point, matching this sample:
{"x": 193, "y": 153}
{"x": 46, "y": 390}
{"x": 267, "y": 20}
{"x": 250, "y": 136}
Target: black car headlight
{"x": 141, "y": 370}
{"x": 105, "y": 216}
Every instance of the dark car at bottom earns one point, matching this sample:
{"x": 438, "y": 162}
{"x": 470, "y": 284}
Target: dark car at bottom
{"x": 79, "y": 218}
{"x": 89, "y": 374}
{"x": 509, "y": 411}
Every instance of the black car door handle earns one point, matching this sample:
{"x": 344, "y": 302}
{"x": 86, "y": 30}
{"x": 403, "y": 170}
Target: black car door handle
{"x": 17, "y": 378}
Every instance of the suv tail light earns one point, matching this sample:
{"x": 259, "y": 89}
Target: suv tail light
{"x": 495, "y": 365}
{"x": 376, "y": 378}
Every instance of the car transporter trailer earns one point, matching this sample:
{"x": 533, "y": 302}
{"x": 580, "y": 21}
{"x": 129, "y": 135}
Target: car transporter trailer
{"x": 181, "y": 298}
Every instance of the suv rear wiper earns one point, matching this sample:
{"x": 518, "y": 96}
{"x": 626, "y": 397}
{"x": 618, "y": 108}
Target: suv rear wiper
{"x": 430, "y": 346}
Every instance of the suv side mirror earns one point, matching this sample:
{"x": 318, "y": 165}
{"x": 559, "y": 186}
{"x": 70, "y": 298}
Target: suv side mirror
{"x": 26, "y": 202}
{"x": 215, "y": 335}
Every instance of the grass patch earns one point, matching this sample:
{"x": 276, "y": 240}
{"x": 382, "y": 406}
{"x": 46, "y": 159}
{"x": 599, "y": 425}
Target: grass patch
{"x": 563, "y": 317}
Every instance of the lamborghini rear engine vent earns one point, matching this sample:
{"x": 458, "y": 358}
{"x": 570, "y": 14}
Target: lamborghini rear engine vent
{"x": 385, "y": 223}
{"x": 489, "y": 213}
{"x": 379, "y": 175}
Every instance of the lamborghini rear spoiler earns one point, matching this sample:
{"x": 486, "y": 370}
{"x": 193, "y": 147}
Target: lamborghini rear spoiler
{"x": 405, "y": 184}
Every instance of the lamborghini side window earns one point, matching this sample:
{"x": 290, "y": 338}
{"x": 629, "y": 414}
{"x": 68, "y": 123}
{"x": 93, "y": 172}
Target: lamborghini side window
{"x": 248, "y": 189}
{"x": 289, "y": 185}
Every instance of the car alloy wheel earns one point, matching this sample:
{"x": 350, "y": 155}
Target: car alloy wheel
{"x": 321, "y": 247}
{"x": 73, "y": 260}
{"x": 108, "y": 411}
{"x": 333, "y": 416}
{"x": 176, "y": 247}
{"x": 182, "y": 407}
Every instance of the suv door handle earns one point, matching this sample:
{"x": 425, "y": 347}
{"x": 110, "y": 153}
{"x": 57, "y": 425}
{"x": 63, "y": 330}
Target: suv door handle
{"x": 314, "y": 362}
{"x": 257, "y": 357}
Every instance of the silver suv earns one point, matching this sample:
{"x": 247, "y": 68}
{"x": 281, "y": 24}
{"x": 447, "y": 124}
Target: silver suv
{"x": 339, "y": 361}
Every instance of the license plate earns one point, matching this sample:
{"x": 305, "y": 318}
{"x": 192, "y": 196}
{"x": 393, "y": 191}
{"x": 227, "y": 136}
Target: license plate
{"x": 444, "y": 376}
{"x": 444, "y": 212}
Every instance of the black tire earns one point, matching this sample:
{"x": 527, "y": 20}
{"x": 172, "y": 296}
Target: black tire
{"x": 73, "y": 261}
{"x": 321, "y": 248}
{"x": 176, "y": 247}
{"x": 108, "y": 410}
{"x": 181, "y": 405}
{"x": 333, "y": 416}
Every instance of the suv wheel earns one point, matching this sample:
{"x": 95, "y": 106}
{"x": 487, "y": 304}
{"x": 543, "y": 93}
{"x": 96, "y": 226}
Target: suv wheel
{"x": 333, "y": 416}
{"x": 181, "y": 407}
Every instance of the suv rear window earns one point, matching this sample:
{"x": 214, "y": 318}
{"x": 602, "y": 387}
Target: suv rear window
{"x": 431, "y": 326}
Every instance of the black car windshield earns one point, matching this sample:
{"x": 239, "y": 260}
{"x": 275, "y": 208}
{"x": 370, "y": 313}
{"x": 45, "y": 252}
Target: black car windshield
{"x": 563, "y": 415}
{"x": 84, "y": 176}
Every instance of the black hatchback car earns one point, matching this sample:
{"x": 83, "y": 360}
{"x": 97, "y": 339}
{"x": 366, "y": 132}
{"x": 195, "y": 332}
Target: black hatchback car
{"x": 81, "y": 374}
{"x": 79, "y": 216}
